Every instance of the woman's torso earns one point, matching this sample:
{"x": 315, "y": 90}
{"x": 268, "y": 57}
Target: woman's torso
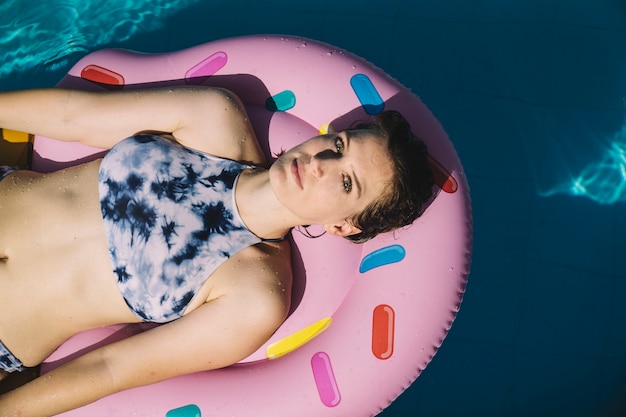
{"x": 55, "y": 267}
{"x": 56, "y": 273}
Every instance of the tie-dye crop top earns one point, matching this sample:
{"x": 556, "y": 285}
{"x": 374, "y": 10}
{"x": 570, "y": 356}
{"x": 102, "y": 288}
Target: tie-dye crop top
{"x": 170, "y": 219}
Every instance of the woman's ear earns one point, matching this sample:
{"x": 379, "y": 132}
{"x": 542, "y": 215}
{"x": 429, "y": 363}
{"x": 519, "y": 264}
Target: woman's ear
{"x": 342, "y": 229}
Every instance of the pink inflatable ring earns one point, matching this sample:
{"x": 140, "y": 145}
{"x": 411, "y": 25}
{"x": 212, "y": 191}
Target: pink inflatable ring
{"x": 366, "y": 319}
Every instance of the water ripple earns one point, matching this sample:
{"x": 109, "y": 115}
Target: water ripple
{"x": 604, "y": 180}
{"x": 44, "y": 34}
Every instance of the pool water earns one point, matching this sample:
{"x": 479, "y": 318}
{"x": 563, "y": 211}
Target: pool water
{"x": 531, "y": 92}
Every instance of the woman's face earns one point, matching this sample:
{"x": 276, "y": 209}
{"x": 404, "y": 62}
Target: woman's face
{"x": 331, "y": 178}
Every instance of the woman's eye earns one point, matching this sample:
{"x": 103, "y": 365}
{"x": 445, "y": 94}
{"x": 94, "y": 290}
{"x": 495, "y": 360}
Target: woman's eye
{"x": 339, "y": 144}
{"x": 347, "y": 183}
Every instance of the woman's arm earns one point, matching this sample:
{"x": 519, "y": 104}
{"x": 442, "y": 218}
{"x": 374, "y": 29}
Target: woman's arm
{"x": 217, "y": 334}
{"x": 199, "y": 117}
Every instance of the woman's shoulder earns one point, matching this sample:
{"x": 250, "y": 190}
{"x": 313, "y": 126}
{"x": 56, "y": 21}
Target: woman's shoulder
{"x": 219, "y": 125}
{"x": 264, "y": 268}
{"x": 269, "y": 259}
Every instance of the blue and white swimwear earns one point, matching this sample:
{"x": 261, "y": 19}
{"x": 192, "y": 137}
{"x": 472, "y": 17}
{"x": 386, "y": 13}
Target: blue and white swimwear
{"x": 170, "y": 219}
{"x": 6, "y": 170}
{"x": 8, "y": 362}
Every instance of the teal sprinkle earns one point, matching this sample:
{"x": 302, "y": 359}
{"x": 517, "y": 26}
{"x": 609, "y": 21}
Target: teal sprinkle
{"x": 190, "y": 410}
{"x": 282, "y": 101}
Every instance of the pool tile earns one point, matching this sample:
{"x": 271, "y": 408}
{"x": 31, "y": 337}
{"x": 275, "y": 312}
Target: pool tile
{"x": 612, "y": 387}
{"x": 529, "y": 12}
{"x": 485, "y": 374}
{"x": 586, "y": 67}
{"x": 490, "y": 312}
{"x": 561, "y": 310}
{"x": 573, "y": 233}
{"x": 616, "y": 338}
{"x": 446, "y": 11}
{"x": 503, "y": 60}
{"x": 541, "y": 376}
{"x": 607, "y": 14}
{"x": 500, "y": 141}
{"x": 430, "y": 65}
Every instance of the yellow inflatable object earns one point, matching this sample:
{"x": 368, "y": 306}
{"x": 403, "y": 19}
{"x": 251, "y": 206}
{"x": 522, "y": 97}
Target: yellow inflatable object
{"x": 15, "y": 148}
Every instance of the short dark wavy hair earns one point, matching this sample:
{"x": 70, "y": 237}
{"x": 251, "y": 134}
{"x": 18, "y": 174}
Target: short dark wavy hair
{"x": 411, "y": 188}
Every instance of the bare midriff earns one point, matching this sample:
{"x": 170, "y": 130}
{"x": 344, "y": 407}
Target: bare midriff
{"x": 55, "y": 269}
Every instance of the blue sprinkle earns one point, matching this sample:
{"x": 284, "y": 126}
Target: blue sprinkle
{"x": 367, "y": 94}
{"x": 383, "y": 256}
{"x": 190, "y": 410}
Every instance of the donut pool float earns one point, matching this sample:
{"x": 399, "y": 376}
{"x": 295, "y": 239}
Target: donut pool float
{"x": 366, "y": 319}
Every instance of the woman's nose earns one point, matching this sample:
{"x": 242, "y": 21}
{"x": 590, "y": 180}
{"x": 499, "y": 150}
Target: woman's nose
{"x": 317, "y": 168}
{"x": 322, "y": 161}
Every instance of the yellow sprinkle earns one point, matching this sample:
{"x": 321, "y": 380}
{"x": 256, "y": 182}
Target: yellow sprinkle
{"x": 297, "y": 339}
{"x": 326, "y": 128}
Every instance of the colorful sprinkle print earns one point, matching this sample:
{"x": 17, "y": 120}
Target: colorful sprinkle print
{"x": 282, "y": 101}
{"x": 367, "y": 94}
{"x": 383, "y": 256}
{"x": 190, "y": 410}
{"x": 206, "y": 68}
{"x": 297, "y": 339}
{"x": 442, "y": 177}
{"x": 326, "y": 128}
{"x": 383, "y": 329}
{"x": 102, "y": 75}
{"x": 325, "y": 379}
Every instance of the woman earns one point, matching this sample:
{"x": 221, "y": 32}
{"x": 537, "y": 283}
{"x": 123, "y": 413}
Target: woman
{"x": 170, "y": 222}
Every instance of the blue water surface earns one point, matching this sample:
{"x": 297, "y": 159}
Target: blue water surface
{"x": 532, "y": 93}
{"x": 51, "y": 35}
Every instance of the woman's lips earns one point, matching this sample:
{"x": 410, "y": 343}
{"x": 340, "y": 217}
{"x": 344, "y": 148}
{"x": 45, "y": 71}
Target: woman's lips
{"x": 295, "y": 172}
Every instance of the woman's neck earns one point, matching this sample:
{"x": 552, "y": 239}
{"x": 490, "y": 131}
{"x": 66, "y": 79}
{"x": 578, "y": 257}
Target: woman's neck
{"x": 258, "y": 206}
